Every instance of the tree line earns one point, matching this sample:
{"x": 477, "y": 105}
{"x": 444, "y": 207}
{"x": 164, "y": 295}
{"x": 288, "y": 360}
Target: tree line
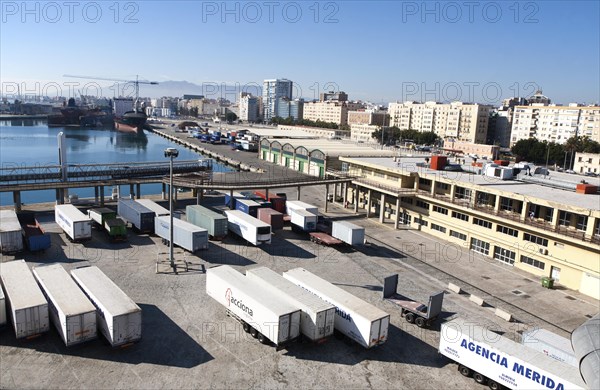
{"x": 533, "y": 150}
{"x": 393, "y": 134}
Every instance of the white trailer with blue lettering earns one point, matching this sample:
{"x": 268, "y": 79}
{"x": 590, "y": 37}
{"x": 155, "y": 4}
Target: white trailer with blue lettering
{"x": 502, "y": 363}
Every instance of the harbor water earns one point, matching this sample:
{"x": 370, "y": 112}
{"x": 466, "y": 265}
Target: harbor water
{"x": 33, "y": 143}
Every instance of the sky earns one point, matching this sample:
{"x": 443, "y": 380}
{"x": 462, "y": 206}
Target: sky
{"x": 381, "y": 51}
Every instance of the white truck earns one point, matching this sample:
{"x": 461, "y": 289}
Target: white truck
{"x": 299, "y": 205}
{"x": 358, "y": 320}
{"x": 153, "y": 206}
{"x": 317, "y": 318}
{"x": 303, "y": 216}
{"x": 502, "y": 363}
{"x": 118, "y": 317}
{"x": 71, "y": 311}
{"x": 551, "y": 344}
{"x": 186, "y": 235}
{"x": 11, "y": 239}
{"x": 249, "y": 228}
{"x": 348, "y": 232}
{"x": 262, "y": 314}
{"x": 27, "y": 305}
{"x": 75, "y": 224}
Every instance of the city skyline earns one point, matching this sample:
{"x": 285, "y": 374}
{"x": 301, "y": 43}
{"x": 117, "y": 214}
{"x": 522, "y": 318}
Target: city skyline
{"x": 402, "y": 51}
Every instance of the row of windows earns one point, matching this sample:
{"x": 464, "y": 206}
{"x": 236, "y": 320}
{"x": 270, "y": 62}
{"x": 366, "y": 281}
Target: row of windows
{"x": 480, "y": 246}
{"x": 504, "y": 255}
{"x": 458, "y": 235}
{"x": 507, "y": 230}
{"x": 421, "y": 222}
{"x": 438, "y": 228}
{"x": 421, "y": 204}
{"x": 440, "y": 210}
{"x": 535, "y": 239}
{"x": 533, "y": 262}
{"x": 461, "y": 216}
{"x": 482, "y": 222}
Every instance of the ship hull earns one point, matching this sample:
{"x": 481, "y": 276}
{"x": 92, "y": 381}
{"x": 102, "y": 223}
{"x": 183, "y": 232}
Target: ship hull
{"x": 131, "y": 122}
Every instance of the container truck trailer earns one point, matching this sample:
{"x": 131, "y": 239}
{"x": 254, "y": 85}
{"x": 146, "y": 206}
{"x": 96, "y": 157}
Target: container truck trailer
{"x": 348, "y": 232}
{"x": 139, "y": 216}
{"x": 73, "y": 222}
{"x": 502, "y": 363}
{"x": 317, "y": 317}
{"x": 34, "y": 236}
{"x": 153, "y": 206}
{"x": 277, "y": 202}
{"x": 303, "y": 220}
{"x": 107, "y": 220}
{"x": 71, "y": 312}
{"x": 551, "y": 344}
{"x": 118, "y": 317}
{"x": 247, "y": 206}
{"x": 185, "y": 235}
{"x": 358, "y": 320}
{"x": 249, "y": 228}
{"x": 272, "y": 217}
{"x": 11, "y": 238}
{"x": 266, "y": 316}
{"x": 230, "y": 201}
{"x": 26, "y": 303}
{"x": 215, "y": 223}
{"x": 299, "y": 205}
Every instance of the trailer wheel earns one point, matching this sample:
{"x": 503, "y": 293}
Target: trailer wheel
{"x": 253, "y": 332}
{"x": 494, "y": 385}
{"x": 410, "y": 318}
{"x": 420, "y": 321}
{"x": 262, "y": 339}
{"x": 479, "y": 378}
{"x": 246, "y": 327}
{"x": 464, "y": 370}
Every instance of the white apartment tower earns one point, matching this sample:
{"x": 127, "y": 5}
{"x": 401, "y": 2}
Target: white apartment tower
{"x": 249, "y": 107}
{"x": 273, "y": 90}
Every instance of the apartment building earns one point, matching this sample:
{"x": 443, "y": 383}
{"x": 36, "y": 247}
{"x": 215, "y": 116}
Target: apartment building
{"x": 457, "y": 120}
{"x": 547, "y": 230}
{"x": 555, "y": 123}
{"x": 249, "y": 107}
{"x": 287, "y": 108}
{"x": 330, "y": 111}
{"x": 273, "y": 90}
{"x": 587, "y": 162}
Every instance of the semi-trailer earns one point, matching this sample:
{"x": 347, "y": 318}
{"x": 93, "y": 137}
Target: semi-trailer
{"x": 185, "y": 235}
{"x": 71, "y": 312}
{"x": 277, "y": 202}
{"x": 11, "y": 239}
{"x": 317, "y": 317}
{"x": 348, "y": 232}
{"x": 118, "y": 317}
{"x": 249, "y": 228}
{"x": 230, "y": 201}
{"x": 303, "y": 220}
{"x": 247, "y": 206}
{"x": 73, "y": 222}
{"x": 550, "y": 344}
{"x": 358, "y": 320}
{"x": 272, "y": 217}
{"x": 34, "y": 236}
{"x": 152, "y": 205}
{"x": 27, "y": 305}
{"x": 263, "y": 314}
{"x": 107, "y": 220}
{"x": 139, "y": 216}
{"x": 502, "y": 363}
{"x": 299, "y": 205}
{"x": 2, "y": 309}
{"x": 215, "y": 223}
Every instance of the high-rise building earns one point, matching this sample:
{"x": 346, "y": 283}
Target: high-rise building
{"x": 273, "y": 90}
{"x": 248, "y": 107}
{"x": 337, "y": 96}
{"x": 287, "y": 108}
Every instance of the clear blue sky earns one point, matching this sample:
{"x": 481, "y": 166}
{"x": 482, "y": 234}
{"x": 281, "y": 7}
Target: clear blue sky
{"x": 375, "y": 50}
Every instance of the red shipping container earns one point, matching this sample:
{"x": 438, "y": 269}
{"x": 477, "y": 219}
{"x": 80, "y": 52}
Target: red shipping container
{"x": 277, "y": 202}
{"x": 272, "y": 217}
{"x": 438, "y": 163}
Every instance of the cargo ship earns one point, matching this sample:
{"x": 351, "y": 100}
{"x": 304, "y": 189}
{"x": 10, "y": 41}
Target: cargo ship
{"x": 131, "y": 122}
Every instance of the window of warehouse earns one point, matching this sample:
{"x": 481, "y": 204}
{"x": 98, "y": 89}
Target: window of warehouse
{"x": 535, "y": 239}
{"x": 504, "y": 255}
{"x": 480, "y": 246}
{"x": 533, "y": 262}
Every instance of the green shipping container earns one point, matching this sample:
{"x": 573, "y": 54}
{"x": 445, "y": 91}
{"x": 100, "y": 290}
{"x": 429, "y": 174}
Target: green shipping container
{"x": 116, "y": 228}
{"x": 215, "y": 223}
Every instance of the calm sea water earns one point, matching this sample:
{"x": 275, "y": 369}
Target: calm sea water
{"x": 31, "y": 143}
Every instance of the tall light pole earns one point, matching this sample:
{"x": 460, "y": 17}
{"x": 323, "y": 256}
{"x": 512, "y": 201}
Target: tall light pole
{"x": 171, "y": 153}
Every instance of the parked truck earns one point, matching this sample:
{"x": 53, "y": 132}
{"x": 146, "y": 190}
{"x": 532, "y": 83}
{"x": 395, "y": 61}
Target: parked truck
{"x": 358, "y": 320}
{"x": 215, "y": 223}
{"x": 272, "y": 217}
{"x": 118, "y": 317}
{"x": 247, "y": 206}
{"x": 230, "y": 199}
{"x": 502, "y": 363}
{"x": 108, "y": 221}
{"x": 249, "y": 228}
{"x": 299, "y": 205}
{"x": 348, "y": 232}
{"x": 139, "y": 216}
{"x": 159, "y": 211}
{"x": 303, "y": 220}
{"x": 11, "y": 239}
{"x": 71, "y": 311}
{"x": 185, "y": 235}
{"x": 550, "y": 344}
{"x": 26, "y": 302}
{"x": 317, "y": 317}
{"x": 277, "y": 202}
{"x": 34, "y": 236}
{"x": 73, "y": 222}
{"x": 266, "y": 316}
{"x": 414, "y": 312}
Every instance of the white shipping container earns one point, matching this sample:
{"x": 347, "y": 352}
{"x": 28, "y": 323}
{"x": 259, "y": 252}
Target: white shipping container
{"x": 317, "y": 318}
{"x": 348, "y": 232}
{"x": 304, "y": 219}
{"x": 27, "y": 305}
{"x": 249, "y": 228}
{"x": 71, "y": 311}
{"x": 299, "y": 205}
{"x": 118, "y": 317}
{"x": 357, "y": 319}
{"x": 550, "y": 344}
{"x": 75, "y": 224}
{"x": 2, "y": 309}
{"x": 274, "y": 318}
{"x": 185, "y": 234}
{"x": 503, "y": 361}
{"x": 11, "y": 240}
{"x": 153, "y": 206}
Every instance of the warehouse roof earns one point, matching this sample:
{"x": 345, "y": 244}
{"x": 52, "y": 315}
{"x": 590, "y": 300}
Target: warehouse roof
{"x": 338, "y": 148}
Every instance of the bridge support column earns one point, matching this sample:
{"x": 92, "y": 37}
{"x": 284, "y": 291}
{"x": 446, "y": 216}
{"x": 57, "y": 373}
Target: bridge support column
{"x": 397, "y": 213}
{"x": 95, "y": 194}
{"x": 267, "y": 194}
{"x": 335, "y": 192}
{"x": 164, "y": 190}
{"x": 368, "y": 203}
{"x": 138, "y": 191}
{"x": 58, "y": 196}
{"x": 355, "y": 198}
{"x": 174, "y": 194}
{"x": 298, "y": 192}
{"x": 382, "y": 208}
{"x": 231, "y": 199}
{"x": 101, "y": 195}
{"x": 131, "y": 191}
{"x": 326, "y": 196}
{"x": 17, "y": 200}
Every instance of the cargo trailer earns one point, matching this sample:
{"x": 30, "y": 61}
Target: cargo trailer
{"x": 348, "y": 232}
{"x": 358, "y": 320}
{"x": 2, "y": 309}
{"x": 231, "y": 201}
{"x": 185, "y": 235}
{"x": 277, "y": 202}
{"x": 101, "y": 215}
{"x": 247, "y": 206}
{"x": 272, "y": 217}
{"x": 324, "y": 239}
{"x": 139, "y": 216}
{"x": 116, "y": 229}
{"x": 317, "y": 317}
{"x": 550, "y": 344}
{"x": 502, "y": 363}
{"x": 25, "y": 301}
{"x": 34, "y": 236}
{"x": 118, "y": 317}
{"x": 303, "y": 220}
{"x": 11, "y": 238}
{"x": 152, "y": 205}
{"x": 299, "y": 205}
{"x": 249, "y": 228}
{"x": 215, "y": 223}
{"x": 73, "y": 222}
{"x": 266, "y": 316}
{"x": 71, "y": 312}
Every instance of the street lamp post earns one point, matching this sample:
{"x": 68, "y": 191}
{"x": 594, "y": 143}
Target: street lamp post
{"x": 171, "y": 153}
